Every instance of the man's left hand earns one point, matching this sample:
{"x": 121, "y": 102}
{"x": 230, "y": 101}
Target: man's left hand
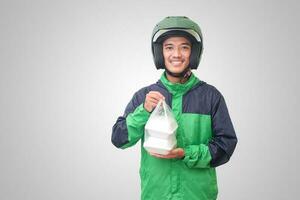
{"x": 175, "y": 153}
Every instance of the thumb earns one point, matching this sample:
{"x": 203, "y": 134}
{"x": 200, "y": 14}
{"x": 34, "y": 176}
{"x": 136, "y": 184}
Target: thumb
{"x": 178, "y": 151}
{"x": 175, "y": 151}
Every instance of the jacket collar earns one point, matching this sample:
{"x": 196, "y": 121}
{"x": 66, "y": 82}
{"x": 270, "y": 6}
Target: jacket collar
{"x": 179, "y": 88}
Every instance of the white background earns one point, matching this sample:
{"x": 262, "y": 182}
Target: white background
{"x": 68, "y": 69}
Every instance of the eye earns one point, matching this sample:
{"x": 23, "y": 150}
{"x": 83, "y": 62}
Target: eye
{"x": 186, "y": 47}
{"x": 168, "y": 48}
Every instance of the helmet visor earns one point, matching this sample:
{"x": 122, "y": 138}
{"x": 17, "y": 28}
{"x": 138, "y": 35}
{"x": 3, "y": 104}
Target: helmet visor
{"x": 189, "y": 31}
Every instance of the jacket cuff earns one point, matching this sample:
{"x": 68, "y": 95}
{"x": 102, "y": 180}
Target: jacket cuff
{"x": 139, "y": 117}
{"x": 197, "y": 156}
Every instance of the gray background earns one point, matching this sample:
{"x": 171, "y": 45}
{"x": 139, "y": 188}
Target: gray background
{"x": 68, "y": 69}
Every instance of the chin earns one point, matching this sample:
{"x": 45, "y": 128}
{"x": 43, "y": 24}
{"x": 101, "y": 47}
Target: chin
{"x": 176, "y": 70}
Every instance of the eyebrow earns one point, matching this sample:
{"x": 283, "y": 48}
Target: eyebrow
{"x": 185, "y": 43}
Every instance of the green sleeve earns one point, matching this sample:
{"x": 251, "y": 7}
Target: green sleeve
{"x": 136, "y": 122}
{"x": 197, "y": 156}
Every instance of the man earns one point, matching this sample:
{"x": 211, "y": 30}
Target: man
{"x": 205, "y": 135}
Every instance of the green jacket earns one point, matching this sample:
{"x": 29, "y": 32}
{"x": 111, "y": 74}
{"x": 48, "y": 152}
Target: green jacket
{"x": 205, "y": 133}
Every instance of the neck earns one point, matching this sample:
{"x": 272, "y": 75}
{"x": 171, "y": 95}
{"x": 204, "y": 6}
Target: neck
{"x": 173, "y": 79}
{"x": 181, "y": 80}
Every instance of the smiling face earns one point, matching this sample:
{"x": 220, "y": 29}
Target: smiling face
{"x": 176, "y": 52}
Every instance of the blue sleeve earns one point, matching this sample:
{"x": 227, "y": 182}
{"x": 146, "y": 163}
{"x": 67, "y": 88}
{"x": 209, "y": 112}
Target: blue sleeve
{"x": 129, "y": 128}
{"x": 224, "y": 139}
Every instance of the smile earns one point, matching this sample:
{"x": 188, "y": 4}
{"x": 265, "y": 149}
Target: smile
{"x": 176, "y": 62}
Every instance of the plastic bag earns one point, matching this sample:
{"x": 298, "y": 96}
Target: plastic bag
{"x": 160, "y": 130}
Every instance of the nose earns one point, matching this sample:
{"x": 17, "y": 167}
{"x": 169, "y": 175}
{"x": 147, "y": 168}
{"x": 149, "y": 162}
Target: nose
{"x": 177, "y": 52}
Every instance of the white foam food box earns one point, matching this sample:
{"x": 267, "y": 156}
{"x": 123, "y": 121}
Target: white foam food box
{"x": 160, "y": 133}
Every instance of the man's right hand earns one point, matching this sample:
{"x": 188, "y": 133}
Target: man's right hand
{"x": 152, "y": 99}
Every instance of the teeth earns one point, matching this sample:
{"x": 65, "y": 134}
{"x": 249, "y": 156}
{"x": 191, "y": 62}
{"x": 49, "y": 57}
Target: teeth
{"x": 176, "y": 63}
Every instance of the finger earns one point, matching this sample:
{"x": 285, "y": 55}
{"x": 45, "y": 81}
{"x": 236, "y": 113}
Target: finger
{"x": 153, "y": 105}
{"x": 177, "y": 151}
{"x": 174, "y": 151}
{"x": 153, "y": 100}
{"x": 157, "y": 94}
{"x": 163, "y": 156}
{"x": 168, "y": 156}
{"x": 154, "y": 96}
{"x": 156, "y": 155}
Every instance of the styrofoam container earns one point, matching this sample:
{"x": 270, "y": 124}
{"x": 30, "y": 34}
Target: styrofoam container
{"x": 160, "y": 130}
{"x": 160, "y": 146}
{"x": 159, "y": 134}
{"x": 163, "y": 125}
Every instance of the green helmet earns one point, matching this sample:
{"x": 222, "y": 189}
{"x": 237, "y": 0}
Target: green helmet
{"x": 176, "y": 26}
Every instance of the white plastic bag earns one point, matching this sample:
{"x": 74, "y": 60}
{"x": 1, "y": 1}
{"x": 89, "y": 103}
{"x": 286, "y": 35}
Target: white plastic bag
{"x": 160, "y": 130}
